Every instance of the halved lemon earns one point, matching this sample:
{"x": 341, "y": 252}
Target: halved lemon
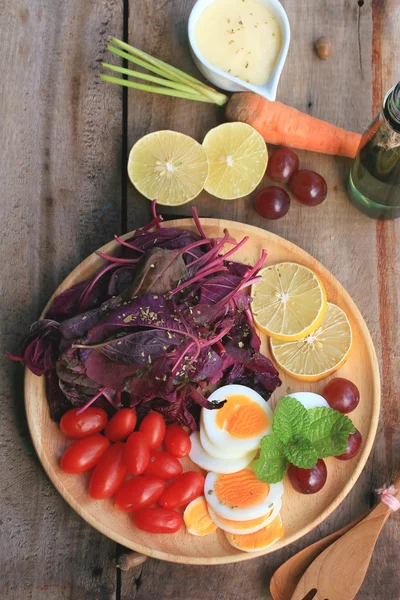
{"x": 319, "y": 353}
{"x": 288, "y": 302}
{"x": 237, "y": 157}
{"x": 168, "y": 166}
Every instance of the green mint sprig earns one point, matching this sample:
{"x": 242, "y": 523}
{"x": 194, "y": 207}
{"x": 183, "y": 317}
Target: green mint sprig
{"x": 301, "y": 437}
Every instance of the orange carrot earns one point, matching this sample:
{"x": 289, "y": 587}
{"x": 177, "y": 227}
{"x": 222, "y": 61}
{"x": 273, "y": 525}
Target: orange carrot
{"x": 286, "y": 126}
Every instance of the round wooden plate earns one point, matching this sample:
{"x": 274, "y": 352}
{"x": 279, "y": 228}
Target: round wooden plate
{"x": 300, "y": 514}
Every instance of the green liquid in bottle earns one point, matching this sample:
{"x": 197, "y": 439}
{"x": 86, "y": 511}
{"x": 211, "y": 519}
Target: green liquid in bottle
{"x": 374, "y": 183}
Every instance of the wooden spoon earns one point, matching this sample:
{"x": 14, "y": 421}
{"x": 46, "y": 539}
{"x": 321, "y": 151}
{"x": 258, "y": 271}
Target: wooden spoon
{"x": 339, "y": 571}
{"x": 286, "y": 578}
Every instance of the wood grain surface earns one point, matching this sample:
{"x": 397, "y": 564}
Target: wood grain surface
{"x": 65, "y": 139}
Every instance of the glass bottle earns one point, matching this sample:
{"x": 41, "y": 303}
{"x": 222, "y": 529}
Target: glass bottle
{"x": 374, "y": 183}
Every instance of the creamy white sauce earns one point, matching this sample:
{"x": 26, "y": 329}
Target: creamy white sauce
{"x": 241, "y": 37}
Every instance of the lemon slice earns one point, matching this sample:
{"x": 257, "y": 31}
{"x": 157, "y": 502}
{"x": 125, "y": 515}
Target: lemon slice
{"x": 288, "y": 302}
{"x": 168, "y": 166}
{"x": 319, "y": 353}
{"x": 237, "y": 157}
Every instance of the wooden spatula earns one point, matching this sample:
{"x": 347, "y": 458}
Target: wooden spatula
{"x": 339, "y": 571}
{"x": 285, "y": 579}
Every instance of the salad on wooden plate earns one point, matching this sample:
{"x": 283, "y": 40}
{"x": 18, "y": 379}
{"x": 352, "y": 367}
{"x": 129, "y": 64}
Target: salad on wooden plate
{"x": 156, "y": 361}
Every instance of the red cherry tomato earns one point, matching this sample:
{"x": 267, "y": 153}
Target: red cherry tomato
{"x": 121, "y": 425}
{"x": 164, "y": 465}
{"x": 138, "y": 493}
{"x": 77, "y": 426}
{"x": 137, "y": 453}
{"x": 177, "y": 442}
{"x": 153, "y": 427}
{"x": 109, "y": 474}
{"x": 157, "y": 520}
{"x": 84, "y": 454}
{"x": 184, "y": 489}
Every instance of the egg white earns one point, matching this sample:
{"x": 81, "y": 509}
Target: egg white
{"x": 219, "y": 465}
{"x": 240, "y": 547}
{"x": 221, "y": 438}
{"x": 241, "y": 514}
{"x": 268, "y": 519}
{"x": 309, "y": 399}
{"x": 225, "y": 453}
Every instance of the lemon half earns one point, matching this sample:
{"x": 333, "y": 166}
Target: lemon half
{"x": 168, "y": 166}
{"x": 237, "y": 156}
{"x": 288, "y": 302}
{"x": 321, "y": 352}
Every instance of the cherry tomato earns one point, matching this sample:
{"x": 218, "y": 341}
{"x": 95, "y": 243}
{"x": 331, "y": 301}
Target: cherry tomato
{"x": 177, "y": 441}
{"x": 353, "y": 446}
{"x": 341, "y": 394}
{"x": 164, "y": 465}
{"x": 184, "y": 489}
{"x": 272, "y": 202}
{"x": 109, "y": 474}
{"x": 121, "y": 425}
{"x": 308, "y": 481}
{"x": 139, "y": 492}
{"x": 157, "y": 520}
{"x": 137, "y": 453}
{"x": 91, "y": 421}
{"x": 153, "y": 427}
{"x": 282, "y": 164}
{"x": 84, "y": 454}
{"x": 308, "y": 187}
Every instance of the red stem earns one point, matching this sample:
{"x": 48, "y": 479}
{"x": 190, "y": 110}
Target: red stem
{"x": 198, "y": 276}
{"x": 117, "y": 260}
{"x": 154, "y": 213}
{"x": 85, "y": 406}
{"x": 85, "y": 294}
{"x": 127, "y": 244}
{"x": 230, "y": 252}
{"x": 181, "y": 357}
{"x": 199, "y": 226}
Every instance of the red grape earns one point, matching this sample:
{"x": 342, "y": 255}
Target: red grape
{"x": 353, "y": 446}
{"x": 272, "y": 202}
{"x": 308, "y": 187}
{"x": 282, "y": 164}
{"x": 341, "y": 394}
{"x": 308, "y": 481}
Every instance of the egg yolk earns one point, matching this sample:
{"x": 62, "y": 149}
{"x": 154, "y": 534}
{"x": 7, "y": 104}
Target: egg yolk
{"x": 242, "y": 524}
{"x": 260, "y": 539}
{"x": 197, "y": 519}
{"x": 241, "y": 489}
{"x": 242, "y": 417}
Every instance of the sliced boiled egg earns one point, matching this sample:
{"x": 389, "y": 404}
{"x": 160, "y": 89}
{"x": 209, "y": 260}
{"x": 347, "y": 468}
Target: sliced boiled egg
{"x": 241, "y": 496}
{"x": 217, "y": 451}
{"x": 219, "y": 465}
{"x": 197, "y": 518}
{"x": 260, "y": 540}
{"x": 245, "y": 526}
{"x": 309, "y": 399}
{"x": 240, "y": 423}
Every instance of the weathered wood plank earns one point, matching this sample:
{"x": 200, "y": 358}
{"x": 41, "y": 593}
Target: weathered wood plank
{"x": 60, "y": 131}
{"x": 346, "y": 90}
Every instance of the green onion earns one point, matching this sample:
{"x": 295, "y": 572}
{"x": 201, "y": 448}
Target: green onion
{"x": 173, "y": 81}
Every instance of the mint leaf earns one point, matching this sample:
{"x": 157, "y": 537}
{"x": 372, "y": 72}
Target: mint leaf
{"x": 301, "y": 453}
{"x": 329, "y": 431}
{"x": 271, "y": 465}
{"x": 291, "y": 420}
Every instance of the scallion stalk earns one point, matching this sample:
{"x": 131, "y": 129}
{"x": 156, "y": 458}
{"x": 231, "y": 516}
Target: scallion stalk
{"x": 174, "y": 82}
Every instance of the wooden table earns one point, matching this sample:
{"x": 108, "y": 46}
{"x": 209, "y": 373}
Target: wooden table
{"x": 65, "y": 139}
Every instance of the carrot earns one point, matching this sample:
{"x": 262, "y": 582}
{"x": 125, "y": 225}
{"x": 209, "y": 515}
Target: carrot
{"x": 286, "y": 126}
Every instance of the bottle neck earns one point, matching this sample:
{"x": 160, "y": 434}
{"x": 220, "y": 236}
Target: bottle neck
{"x": 391, "y": 107}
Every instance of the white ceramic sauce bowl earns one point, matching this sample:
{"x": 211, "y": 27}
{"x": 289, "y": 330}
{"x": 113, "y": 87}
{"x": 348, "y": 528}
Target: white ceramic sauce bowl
{"x": 227, "y": 82}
